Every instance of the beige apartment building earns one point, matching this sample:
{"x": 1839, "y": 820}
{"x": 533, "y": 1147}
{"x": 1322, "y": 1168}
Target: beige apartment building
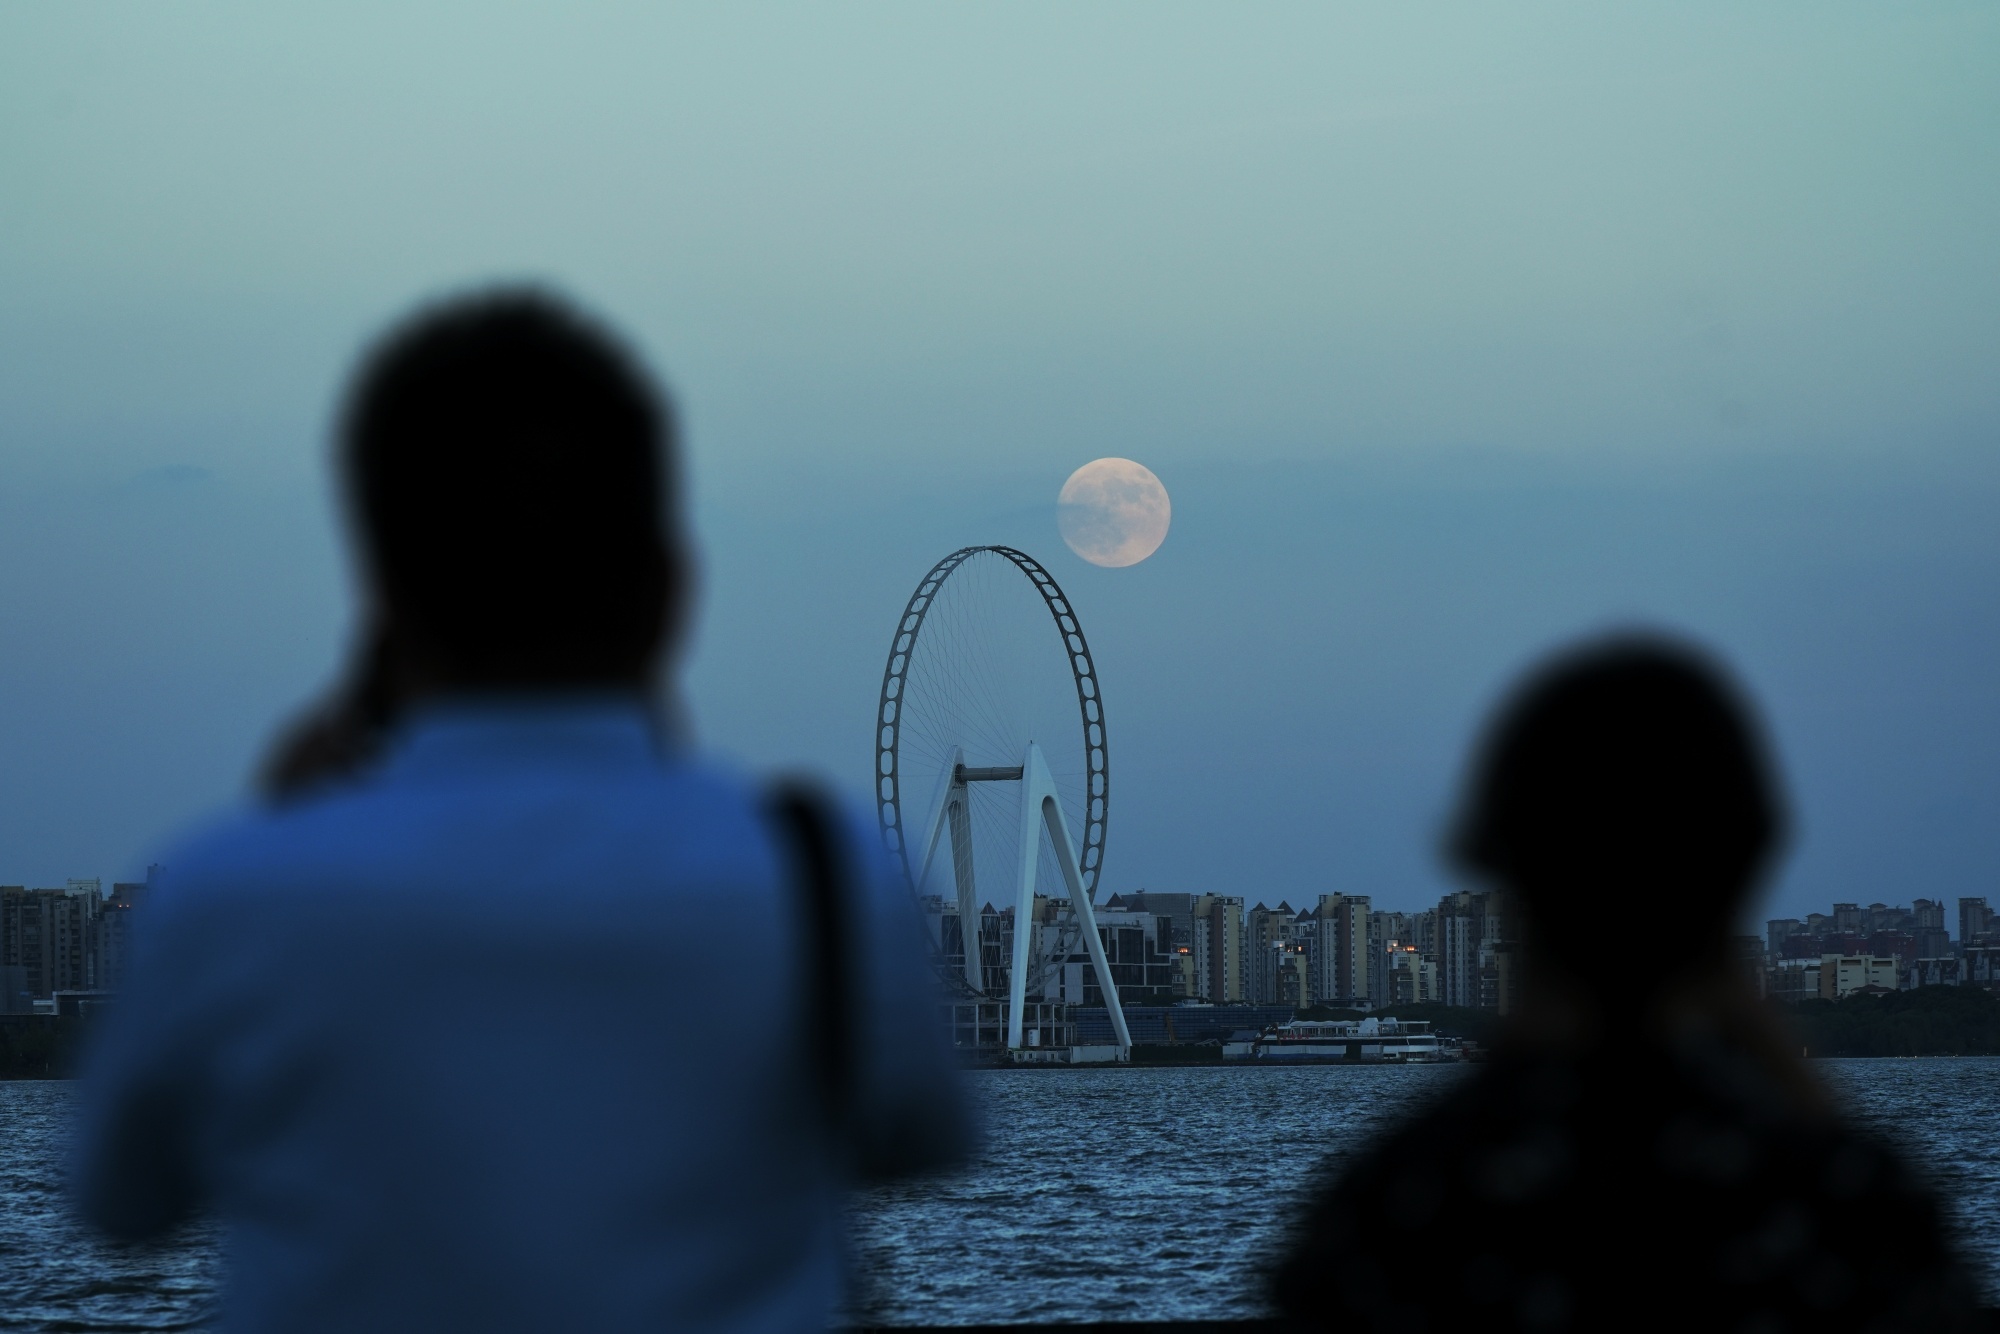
{"x": 1841, "y": 975}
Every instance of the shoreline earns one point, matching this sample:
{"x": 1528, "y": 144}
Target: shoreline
{"x": 985, "y": 1067}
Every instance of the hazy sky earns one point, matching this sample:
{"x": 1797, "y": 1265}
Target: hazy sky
{"x": 1454, "y": 332}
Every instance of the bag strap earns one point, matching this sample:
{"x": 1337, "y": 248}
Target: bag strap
{"x": 803, "y": 818}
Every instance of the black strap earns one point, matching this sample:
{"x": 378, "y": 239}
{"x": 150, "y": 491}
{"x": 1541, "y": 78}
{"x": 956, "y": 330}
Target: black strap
{"x": 803, "y": 818}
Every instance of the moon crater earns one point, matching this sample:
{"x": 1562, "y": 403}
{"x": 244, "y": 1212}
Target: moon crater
{"x": 1113, "y": 512}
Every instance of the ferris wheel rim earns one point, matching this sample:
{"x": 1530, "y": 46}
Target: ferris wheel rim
{"x": 1096, "y": 813}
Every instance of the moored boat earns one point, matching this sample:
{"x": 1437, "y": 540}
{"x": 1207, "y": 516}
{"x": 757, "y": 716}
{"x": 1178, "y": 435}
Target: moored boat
{"x": 1326, "y": 1040}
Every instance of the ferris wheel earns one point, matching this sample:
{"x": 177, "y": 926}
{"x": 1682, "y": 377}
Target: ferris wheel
{"x": 991, "y": 749}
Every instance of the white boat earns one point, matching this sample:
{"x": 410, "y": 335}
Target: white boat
{"x": 1369, "y": 1039}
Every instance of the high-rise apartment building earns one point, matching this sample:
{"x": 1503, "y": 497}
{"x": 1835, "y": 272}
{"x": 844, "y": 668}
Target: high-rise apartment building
{"x": 1410, "y": 977}
{"x": 1219, "y": 948}
{"x": 1267, "y": 932}
{"x": 1464, "y": 926}
{"x": 1975, "y": 921}
{"x": 1927, "y": 925}
{"x": 1340, "y": 961}
{"x": 109, "y": 942}
{"x": 1779, "y": 930}
{"x": 49, "y": 933}
{"x": 1294, "y": 981}
{"x": 1387, "y": 932}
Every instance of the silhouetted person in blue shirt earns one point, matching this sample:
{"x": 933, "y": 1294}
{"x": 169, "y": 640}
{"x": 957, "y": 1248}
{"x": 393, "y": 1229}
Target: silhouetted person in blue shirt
{"x": 507, "y": 1013}
{"x": 1642, "y": 1151}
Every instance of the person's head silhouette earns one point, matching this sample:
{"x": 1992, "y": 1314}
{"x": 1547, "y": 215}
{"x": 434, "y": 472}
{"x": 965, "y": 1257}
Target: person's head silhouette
{"x": 1622, "y": 796}
{"x": 505, "y": 471}
{"x": 1643, "y": 1120}
{"x": 509, "y": 476}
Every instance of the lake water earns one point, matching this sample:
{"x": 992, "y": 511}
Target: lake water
{"x": 1103, "y": 1194}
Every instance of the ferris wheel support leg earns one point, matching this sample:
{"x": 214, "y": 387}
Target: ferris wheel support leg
{"x": 959, "y": 816}
{"x": 1038, "y": 791}
{"x": 949, "y": 814}
{"x": 1024, "y": 910}
{"x": 935, "y": 826}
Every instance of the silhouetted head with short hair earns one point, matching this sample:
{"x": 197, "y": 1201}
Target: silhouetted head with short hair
{"x": 508, "y": 472}
{"x": 1622, "y": 792}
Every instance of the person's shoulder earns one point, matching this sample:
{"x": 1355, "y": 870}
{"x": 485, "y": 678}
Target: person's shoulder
{"x": 710, "y": 802}
{"x": 1360, "y": 1225}
{"x": 255, "y": 845}
{"x": 226, "y": 847}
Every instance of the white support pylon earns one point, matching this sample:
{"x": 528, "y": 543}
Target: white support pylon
{"x": 949, "y": 811}
{"x": 1039, "y": 805}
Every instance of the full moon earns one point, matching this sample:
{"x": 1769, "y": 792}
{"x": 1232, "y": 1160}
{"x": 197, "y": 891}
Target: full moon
{"x": 1113, "y": 512}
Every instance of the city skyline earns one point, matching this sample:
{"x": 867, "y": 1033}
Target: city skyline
{"x": 1337, "y": 951}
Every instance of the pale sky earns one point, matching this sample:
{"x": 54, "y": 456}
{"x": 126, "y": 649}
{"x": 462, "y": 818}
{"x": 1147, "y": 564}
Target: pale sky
{"x": 1454, "y": 332}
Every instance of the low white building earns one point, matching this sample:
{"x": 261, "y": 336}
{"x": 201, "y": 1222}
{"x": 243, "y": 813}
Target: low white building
{"x": 1841, "y": 975}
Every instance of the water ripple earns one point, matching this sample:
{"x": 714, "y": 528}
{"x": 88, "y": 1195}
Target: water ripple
{"x": 1102, "y": 1194}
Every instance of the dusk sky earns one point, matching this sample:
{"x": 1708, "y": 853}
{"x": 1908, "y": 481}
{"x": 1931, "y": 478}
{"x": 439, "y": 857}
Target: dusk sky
{"x": 1454, "y": 332}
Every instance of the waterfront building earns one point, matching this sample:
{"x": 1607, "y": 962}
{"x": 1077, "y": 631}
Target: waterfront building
{"x": 1467, "y": 926}
{"x": 993, "y": 937}
{"x": 1266, "y": 931}
{"x": 1947, "y": 971}
{"x": 949, "y": 940}
{"x": 946, "y": 931}
{"x": 1900, "y": 945}
{"x": 1915, "y": 938}
{"x": 48, "y": 934}
{"x": 1979, "y": 965}
{"x": 1975, "y": 921}
{"x": 1779, "y": 932}
{"x": 996, "y": 942}
{"x": 1176, "y": 935}
{"x": 980, "y": 1025}
{"x": 1792, "y": 980}
{"x": 1282, "y": 952}
{"x": 1412, "y": 976}
{"x": 109, "y": 945}
{"x": 1424, "y": 931}
{"x": 1294, "y": 975}
{"x": 1141, "y": 966}
{"x": 1842, "y": 975}
{"x": 1927, "y": 925}
{"x": 1387, "y": 931}
{"x": 1339, "y": 946}
{"x": 1219, "y": 948}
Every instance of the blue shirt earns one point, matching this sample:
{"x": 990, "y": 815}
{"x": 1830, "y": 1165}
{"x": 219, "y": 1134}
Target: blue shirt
{"x": 512, "y": 1035}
